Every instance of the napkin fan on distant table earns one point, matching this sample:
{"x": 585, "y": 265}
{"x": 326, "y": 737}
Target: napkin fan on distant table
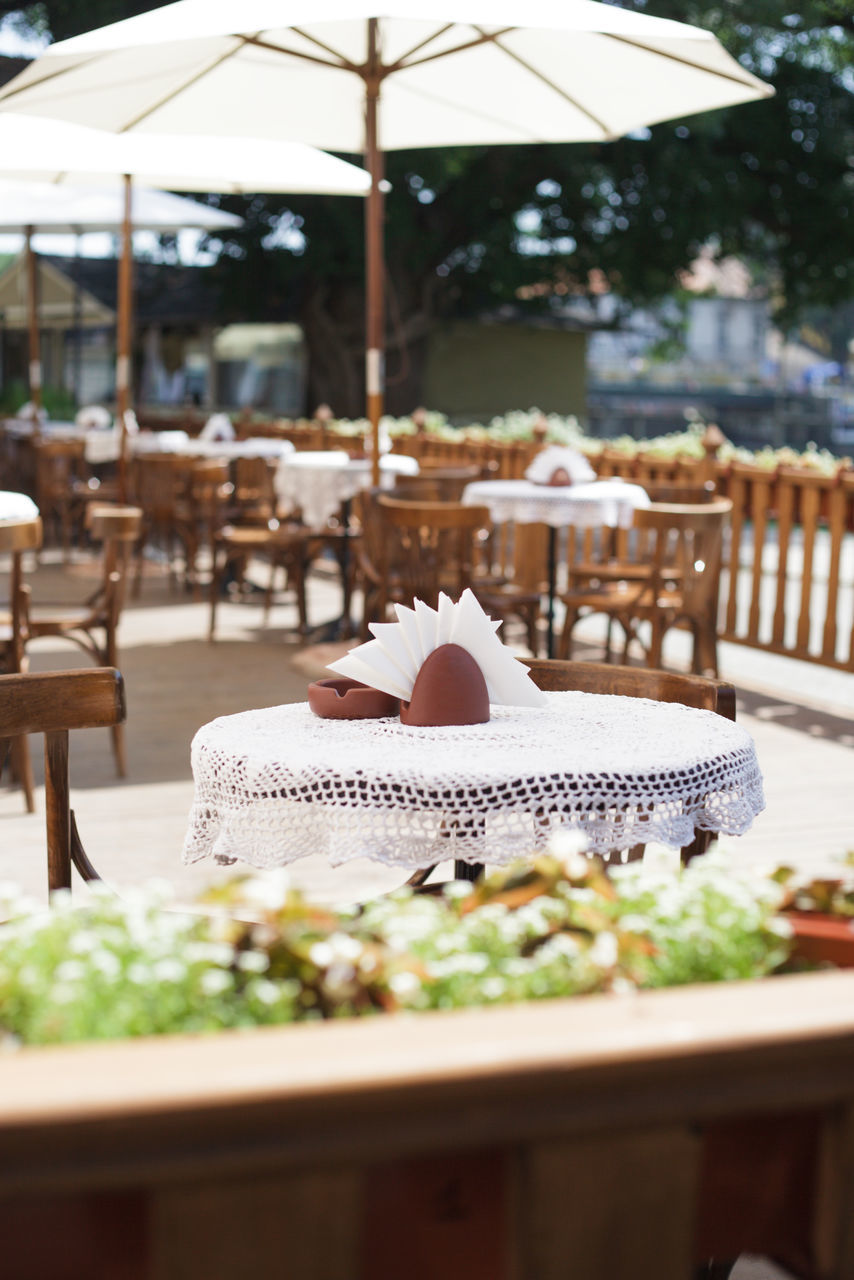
{"x": 218, "y": 427}
{"x": 445, "y": 665}
{"x": 94, "y": 417}
{"x": 558, "y": 465}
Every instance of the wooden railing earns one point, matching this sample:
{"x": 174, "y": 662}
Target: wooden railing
{"x": 788, "y": 580}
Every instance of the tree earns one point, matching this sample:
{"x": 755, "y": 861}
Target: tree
{"x": 475, "y": 228}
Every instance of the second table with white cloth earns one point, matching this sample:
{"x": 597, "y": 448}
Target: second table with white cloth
{"x": 610, "y": 503}
{"x": 318, "y": 482}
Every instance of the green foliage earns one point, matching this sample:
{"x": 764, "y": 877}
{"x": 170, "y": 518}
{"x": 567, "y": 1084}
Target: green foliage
{"x": 257, "y": 954}
{"x": 58, "y": 402}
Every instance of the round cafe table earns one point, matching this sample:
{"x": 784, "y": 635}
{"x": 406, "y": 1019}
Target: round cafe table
{"x": 318, "y": 482}
{"x": 279, "y": 784}
{"x": 607, "y": 503}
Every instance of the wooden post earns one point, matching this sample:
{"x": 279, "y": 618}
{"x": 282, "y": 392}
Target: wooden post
{"x": 123, "y": 334}
{"x": 374, "y": 264}
{"x": 35, "y": 361}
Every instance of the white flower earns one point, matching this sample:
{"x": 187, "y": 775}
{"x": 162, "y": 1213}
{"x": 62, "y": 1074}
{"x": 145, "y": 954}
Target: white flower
{"x": 253, "y": 961}
{"x": 70, "y": 971}
{"x": 215, "y": 981}
{"x": 265, "y": 991}
{"x": 321, "y": 954}
{"x": 404, "y": 983}
{"x": 169, "y": 970}
{"x": 605, "y": 950}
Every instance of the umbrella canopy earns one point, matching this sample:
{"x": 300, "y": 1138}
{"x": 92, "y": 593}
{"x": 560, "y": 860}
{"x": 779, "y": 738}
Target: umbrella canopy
{"x": 63, "y": 153}
{"x": 37, "y": 206}
{"x": 58, "y": 152}
{"x": 416, "y": 73}
{"x": 72, "y": 209}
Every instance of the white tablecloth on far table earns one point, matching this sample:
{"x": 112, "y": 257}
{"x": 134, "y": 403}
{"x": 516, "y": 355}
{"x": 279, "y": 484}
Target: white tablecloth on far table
{"x": 16, "y": 507}
{"x": 318, "y": 482}
{"x": 279, "y": 784}
{"x": 101, "y": 445}
{"x": 611, "y": 502}
{"x": 179, "y": 442}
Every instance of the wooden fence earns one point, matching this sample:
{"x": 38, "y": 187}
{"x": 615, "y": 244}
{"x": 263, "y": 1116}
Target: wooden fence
{"x": 788, "y": 579}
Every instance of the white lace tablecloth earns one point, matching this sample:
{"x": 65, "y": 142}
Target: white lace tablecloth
{"x": 16, "y": 507}
{"x": 318, "y": 482}
{"x": 609, "y": 502}
{"x": 278, "y": 784}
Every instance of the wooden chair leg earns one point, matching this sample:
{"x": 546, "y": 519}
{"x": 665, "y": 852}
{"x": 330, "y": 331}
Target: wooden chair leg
{"x": 117, "y": 733}
{"x": 57, "y": 810}
{"x": 216, "y": 586}
{"x": 79, "y": 856}
{"x": 698, "y": 846}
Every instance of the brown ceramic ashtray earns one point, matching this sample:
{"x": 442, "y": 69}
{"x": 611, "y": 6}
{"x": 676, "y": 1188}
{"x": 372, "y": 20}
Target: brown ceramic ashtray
{"x": 341, "y": 699}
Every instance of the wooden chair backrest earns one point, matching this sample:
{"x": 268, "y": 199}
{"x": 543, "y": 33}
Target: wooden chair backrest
{"x": 432, "y": 545}
{"x": 436, "y": 483}
{"x": 159, "y": 481}
{"x": 53, "y": 703}
{"x": 253, "y": 482}
{"x": 689, "y": 539}
{"x": 680, "y": 492}
{"x": 555, "y": 675}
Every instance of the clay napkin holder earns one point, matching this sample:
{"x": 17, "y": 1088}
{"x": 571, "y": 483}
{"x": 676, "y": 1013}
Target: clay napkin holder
{"x": 449, "y": 689}
{"x": 341, "y": 699}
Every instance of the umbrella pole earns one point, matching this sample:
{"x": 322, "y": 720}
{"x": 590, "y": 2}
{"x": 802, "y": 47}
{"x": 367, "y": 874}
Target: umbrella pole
{"x": 35, "y": 361}
{"x": 374, "y": 260}
{"x": 123, "y": 336}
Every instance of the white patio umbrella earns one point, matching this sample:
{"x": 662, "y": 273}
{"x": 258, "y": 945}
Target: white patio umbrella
{"x": 61, "y": 153}
{"x": 28, "y": 207}
{"x": 415, "y": 73}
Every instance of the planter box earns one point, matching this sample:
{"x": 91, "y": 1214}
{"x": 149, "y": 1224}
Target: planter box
{"x": 822, "y": 939}
{"x": 604, "y": 1137}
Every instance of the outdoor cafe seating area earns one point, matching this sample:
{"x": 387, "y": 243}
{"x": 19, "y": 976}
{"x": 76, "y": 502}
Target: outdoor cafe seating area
{"x": 263, "y": 528}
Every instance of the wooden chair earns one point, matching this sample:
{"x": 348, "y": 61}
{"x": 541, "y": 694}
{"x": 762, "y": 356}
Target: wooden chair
{"x": 199, "y": 514}
{"x": 254, "y": 497}
{"x": 437, "y": 484}
{"x": 680, "y": 492}
{"x": 159, "y": 485}
{"x": 15, "y": 539}
{"x": 93, "y": 626}
{"x": 61, "y": 477}
{"x": 555, "y": 675}
{"x": 425, "y": 548}
{"x": 673, "y": 580}
{"x": 284, "y": 544}
{"x": 54, "y": 703}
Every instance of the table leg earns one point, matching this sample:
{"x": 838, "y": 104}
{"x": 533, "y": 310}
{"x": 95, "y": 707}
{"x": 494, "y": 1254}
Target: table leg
{"x": 552, "y": 565}
{"x": 340, "y": 628}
